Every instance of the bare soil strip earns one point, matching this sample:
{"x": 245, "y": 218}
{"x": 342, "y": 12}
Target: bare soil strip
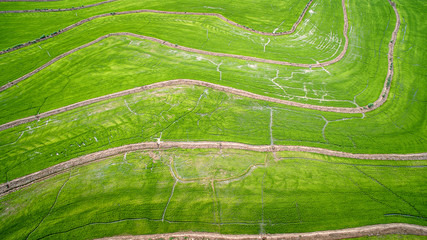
{"x": 21, "y": 182}
{"x": 371, "y": 230}
{"x": 53, "y": 10}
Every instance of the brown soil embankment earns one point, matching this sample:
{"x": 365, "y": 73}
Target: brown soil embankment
{"x": 372, "y": 230}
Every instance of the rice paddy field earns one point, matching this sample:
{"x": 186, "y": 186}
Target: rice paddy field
{"x": 285, "y": 116}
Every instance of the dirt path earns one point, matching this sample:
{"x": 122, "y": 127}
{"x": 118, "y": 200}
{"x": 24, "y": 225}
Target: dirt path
{"x": 53, "y": 10}
{"x": 21, "y": 182}
{"x": 371, "y": 230}
{"x": 380, "y": 229}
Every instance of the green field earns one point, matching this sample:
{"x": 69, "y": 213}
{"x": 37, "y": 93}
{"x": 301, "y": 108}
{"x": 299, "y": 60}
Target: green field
{"x": 211, "y": 190}
{"x": 137, "y": 193}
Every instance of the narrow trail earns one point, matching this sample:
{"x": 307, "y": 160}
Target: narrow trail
{"x": 21, "y": 182}
{"x": 51, "y": 10}
{"x": 371, "y": 230}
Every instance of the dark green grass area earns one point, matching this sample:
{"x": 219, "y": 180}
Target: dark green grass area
{"x": 136, "y": 193}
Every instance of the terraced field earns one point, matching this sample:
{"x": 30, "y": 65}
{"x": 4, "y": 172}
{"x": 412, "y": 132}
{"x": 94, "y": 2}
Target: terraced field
{"x": 176, "y": 119}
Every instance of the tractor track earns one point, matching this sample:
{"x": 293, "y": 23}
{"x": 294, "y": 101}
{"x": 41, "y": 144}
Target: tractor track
{"x": 24, "y": 181}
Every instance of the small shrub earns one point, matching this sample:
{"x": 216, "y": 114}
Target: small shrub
{"x": 370, "y": 105}
{"x": 388, "y": 81}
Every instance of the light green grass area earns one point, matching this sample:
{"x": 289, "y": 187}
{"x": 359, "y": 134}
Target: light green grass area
{"x": 260, "y": 15}
{"x": 136, "y": 193}
{"x": 192, "y": 113}
{"x": 318, "y": 37}
{"x": 26, "y": 5}
{"x": 137, "y": 63}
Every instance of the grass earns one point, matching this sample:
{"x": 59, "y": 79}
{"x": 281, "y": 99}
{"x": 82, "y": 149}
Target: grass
{"x": 161, "y": 63}
{"x": 263, "y": 16}
{"x": 230, "y": 191}
{"x": 205, "y": 115}
{"x": 201, "y": 32}
{"x": 132, "y": 195}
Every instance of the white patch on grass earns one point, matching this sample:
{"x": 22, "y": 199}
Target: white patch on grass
{"x": 209, "y": 7}
{"x": 264, "y": 45}
{"x": 253, "y": 66}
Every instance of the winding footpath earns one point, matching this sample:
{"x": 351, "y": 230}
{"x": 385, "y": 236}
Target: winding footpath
{"x": 21, "y": 182}
{"x": 371, "y": 230}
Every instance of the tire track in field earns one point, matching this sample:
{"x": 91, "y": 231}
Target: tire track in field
{"x": 21, "y": 182}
